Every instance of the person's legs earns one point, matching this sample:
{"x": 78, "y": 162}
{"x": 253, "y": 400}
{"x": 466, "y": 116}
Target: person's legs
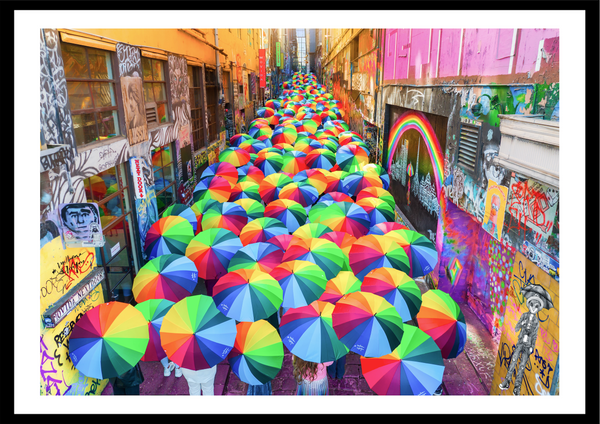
{"x": 511, "y": 367}
{"x": 118, "y": 391}
{"x": 521, "y": 370}
{"x": 192, "y": 381}
{"x": 207, "y": 381}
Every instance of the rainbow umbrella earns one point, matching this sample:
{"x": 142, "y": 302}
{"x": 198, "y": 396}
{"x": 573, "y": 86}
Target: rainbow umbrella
{"x": 416, "y": 367}
{"x": 154, "y": 311}
{"x": 311, "y": 230}
{"x": 372, "y": 251}
{"x": 291, "y": 213}
{"x": 359, "y": 180}
{"x": 351, "y": 158}
{"x": 331, "y": 145}
{"x": 199, "y": 208}
{"x": 294, "y": 163}
{"x": 245, "y": 189}
{"x": 303, "y": 193}
{"x": 195, "y": 334}
{"x": 339, "y": 286}
{"x": 169, "y": 276}
{"x": 420, "y": 250}
{"x": 397, "y": 288}
{"x": 308, "y": 333}
{"x": 265, "y": 112}
{"x": 342, "y": 239}
{"x": 261, "y": 256}
{"x": 379, "y": 193}
{"x": 342, "y": 124}
{"x": 228, "y": 215}
{"x": 302, "y": 282}
{"x": 108, "y": 340}
{"x": 253, "y": 146}
{"x": 270, "y": 162}
{"x": 385, "y": 227}
{"x": 216, "y": 188}
{"x": 221, "y": 169}
{"x": 284, "y": 134}
{"x": 170, "y": 234}
{"x": 285, "y": 148}
{"x": 261, "y": 129}
{"x": 367, "y": 324}
{"x": 315, "y": 177}
{"x": 320, "y": 158}
{"x": 379, "y": 211}
{"x": 346, "y": 217}
{"x": 348, "y": 136}
{"x": 308, "y": 125}
{"x": 184, "y": 211}
{"x": 323, "y": 253}
{"x": 250, "y": 172}
{"x": 257, "y": 121}
{"x": 283, "y": 241}
{"x": 335, "y": 181}
{"x": 336, "y": 196}
{"x": 271, "y": 186}
{"x": 441, "y": 318}
{"x": 236, "y": 139}
{"x": 211, "y": 250}
{"x": 247, "y": 295}
{"x": 257, "y": 354}
{"x": 378, "y": 170}
{"x": 262, "y": 229}
{"x": 235, "y": 156}
{"x": 273, "y": 104}
{"x": 254, "y": 209}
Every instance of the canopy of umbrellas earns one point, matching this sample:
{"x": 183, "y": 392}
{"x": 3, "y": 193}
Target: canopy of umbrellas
{"x": 292, "y": 216}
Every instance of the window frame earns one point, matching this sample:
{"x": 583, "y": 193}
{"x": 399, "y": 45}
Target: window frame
{"x": 199, "y": 142}
{"x": 165, "y": 83}
{"x": 116, "y": 91}
{"x": 172, "y": 184}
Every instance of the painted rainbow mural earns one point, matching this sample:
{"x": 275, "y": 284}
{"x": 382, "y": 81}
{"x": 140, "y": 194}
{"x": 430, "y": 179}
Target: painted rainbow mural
{"x": 417, "y": 121}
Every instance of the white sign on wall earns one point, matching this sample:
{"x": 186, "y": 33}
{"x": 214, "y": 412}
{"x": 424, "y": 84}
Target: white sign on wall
{"x": 138, "y": 178}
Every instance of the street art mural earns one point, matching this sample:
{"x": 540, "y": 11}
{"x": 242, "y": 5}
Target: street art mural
{"x": 528, "y": 352}
{"x": 495, "y": 205}
{"x": 61, "y": 271}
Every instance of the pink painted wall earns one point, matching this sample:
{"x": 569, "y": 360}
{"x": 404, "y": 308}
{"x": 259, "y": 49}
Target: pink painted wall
{"x": 439, "y": 53}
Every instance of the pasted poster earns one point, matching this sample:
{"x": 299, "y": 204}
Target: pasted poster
{"x": 80, "y": 225}
{"x": 528, "y": 353}
{"x": 135, "y": 109}
{"x": 495, "y": 205}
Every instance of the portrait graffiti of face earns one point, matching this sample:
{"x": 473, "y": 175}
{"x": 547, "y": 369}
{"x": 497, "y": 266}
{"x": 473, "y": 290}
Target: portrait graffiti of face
{"x": 78, "y": 217}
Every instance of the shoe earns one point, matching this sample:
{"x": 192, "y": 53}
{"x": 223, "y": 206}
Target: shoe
{"x": 504, "y": 385}
{"x": 178, "y": 372}
{"x": 167, "y": 372}
{"x": 438, "y": 391}
{"x": 517, "y": 391}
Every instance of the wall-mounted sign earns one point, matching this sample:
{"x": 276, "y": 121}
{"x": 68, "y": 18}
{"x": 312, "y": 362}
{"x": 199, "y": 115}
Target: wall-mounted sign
{"x": 138, "y": 177}
{"x": 262, "y": 68}
{"x": 80, "y": 225}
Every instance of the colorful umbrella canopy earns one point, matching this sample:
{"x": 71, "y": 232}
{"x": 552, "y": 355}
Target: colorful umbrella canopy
{"x": 269, "y": 162}
{"x": 302, "y": 282}
{"x": 359, "y": 180}
{"x": 108, "y": 340}
{"x": 290, "y": 212}
{"x": 211, "y": 250}
{"x": 385, "y": 227}
{"x": 265, "y": 112}
{"x": 247, "y": 295}
{"x": 308, "y": 125}
{"x": 283, "y": 241}
{"x": 308, "y": 333}
{"x": 221, "y": 169}
{"x": 254, "y": 209}
{"x": 397, "y": 288}
{"x": 441, "y": 318}
{"x": 339, "y": 286}
{"x": 367, "y": 324}
{"x": 184, "y": 211}
{"x": 261, "y": 129}
{"x": 324, "y": 253}
{"x": 237, "y": 139}
{"x": 284, "y": 134}
{"x": 372, "y": 251}
{"x": 303, "y": 193}
{"x": 314, "y": 177}
{"x": 378, "y": 170}
{"x": 235, "y": 156}
{"x": 195, "y": 334}
{"x": 154, "y": 311}
{"x": 170, "y": 234}
{"x": 169, "y": 276}
{"x": 216, "y": 188}
{"x": 227, "y": 215}
{"x": 378, "y": 210}
{"x": 245, "y": 189}
{"x": 271, "y": 185}
{"x": 294, "y": 163}
{"x": 420, "y": 250}
{"x": 347, "y": 217}
{"x": 352, "y": 158}
{"x": 335, "y": 181}
{"x": 320, "y": 158}
{"x": 257, "y": 355}
{"x": 261, "y": 256}
{"x": 311, "y": 230}
{"x": 416, "y": 367}
{"x": 249, "y": 172}
{"x": 377, "y": 192}
{"x": 262, "y": 229}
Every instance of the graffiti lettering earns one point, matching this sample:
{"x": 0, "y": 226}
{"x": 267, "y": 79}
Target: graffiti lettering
{"x": 73, "y": 267}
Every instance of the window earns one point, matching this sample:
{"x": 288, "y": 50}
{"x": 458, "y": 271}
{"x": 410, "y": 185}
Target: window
{"x": 197, "y": 106}
{"x": 91, "y": 87}
{"x": 155, "y": 88}
{"x": 211, "y": 103}
{"x": 109, "y": 190}
{"x": 164, "y": 177}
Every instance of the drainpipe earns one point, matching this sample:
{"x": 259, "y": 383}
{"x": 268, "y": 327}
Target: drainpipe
{"x": 220, "y": 118}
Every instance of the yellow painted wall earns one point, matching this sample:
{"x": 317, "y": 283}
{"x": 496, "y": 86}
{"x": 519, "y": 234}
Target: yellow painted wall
{"x": 537, "y": 379}
{"x": 60, "y": 271}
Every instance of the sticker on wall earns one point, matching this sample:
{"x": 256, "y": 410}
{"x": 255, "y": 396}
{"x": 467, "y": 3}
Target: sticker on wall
{"x": 495, "y": 205}
{"x": 80, "y": 225}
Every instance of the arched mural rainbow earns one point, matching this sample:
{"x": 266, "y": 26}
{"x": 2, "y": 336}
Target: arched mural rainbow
{"x": 417, "y": 121}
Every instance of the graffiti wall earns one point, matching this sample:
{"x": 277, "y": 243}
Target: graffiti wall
{"x": 60, "y": 272}
{"x": 539, "y": 362}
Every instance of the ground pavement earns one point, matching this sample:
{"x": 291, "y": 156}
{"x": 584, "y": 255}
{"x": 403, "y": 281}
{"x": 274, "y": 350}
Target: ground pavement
{"x": 469, "y": 374}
